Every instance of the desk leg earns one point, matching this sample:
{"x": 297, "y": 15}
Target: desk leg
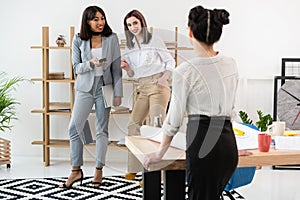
{"x": 174, "y": 184}
{"x": 151, "y": 185}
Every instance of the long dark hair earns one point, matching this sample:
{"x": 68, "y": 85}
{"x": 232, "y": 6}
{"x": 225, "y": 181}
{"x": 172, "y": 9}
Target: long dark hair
{"x": 129, "y": 36}
{"x": 206, "y": 24}
{"x": 89, "y": 14}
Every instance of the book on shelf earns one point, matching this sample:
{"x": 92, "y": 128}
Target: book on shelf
{"x": 59, "y": 107}
{"x": 56, "y": 75}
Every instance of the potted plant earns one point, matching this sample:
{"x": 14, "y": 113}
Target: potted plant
{"x": 7, "y": 112}
{"x": 7, "y": 102}
{"x": 263, "y": 122}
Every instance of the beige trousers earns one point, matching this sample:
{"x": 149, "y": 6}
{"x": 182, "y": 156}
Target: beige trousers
{"x": 150, "y": 99}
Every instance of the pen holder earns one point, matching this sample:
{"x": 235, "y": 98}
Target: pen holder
{"x": 264, "y": 142}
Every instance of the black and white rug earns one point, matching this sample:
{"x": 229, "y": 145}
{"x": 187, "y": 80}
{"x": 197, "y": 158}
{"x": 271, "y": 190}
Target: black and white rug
{"x": 113, "y": 187}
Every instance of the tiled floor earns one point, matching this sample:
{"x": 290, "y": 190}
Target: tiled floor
{"x": 267, "y": 184}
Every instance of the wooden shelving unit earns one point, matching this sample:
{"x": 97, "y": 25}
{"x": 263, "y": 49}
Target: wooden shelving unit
{"x": 53, "y": 108}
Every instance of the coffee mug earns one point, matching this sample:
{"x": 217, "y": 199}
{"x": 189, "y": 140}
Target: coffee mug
{"x": 264, "y": 142}
{"x": 277, "y": 128}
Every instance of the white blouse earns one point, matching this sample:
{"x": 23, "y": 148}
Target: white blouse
{"x": 205, "y": 86}
{"x": 97, "y": 53}
{"x": 149, "y": 59}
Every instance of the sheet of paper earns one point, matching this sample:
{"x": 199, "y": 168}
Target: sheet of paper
{"x": 287, "y": 142}
{"x": 247, "y": 141}
{"x": 155, "y": 134}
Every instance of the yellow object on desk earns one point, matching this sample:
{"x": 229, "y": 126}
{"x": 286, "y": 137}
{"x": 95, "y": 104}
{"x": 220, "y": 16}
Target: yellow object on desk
{"x": 238, "y": 132}
{"x": 290, "y": 133}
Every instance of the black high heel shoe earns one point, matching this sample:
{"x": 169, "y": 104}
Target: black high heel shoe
{"x": 97, "y": 184}
{"x": 79, "y": 179}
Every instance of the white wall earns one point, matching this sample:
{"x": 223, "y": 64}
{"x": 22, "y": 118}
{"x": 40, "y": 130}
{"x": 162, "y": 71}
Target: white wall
{"x": 260, "y": 33}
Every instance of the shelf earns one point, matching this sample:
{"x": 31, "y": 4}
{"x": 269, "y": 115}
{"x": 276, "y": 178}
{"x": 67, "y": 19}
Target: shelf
{"x": 66, "y": 144}
{"x": 51, "y": 47}
{"x": 36, "y": 79}
{"x": 184, "y": 48}
{"x": 54, "y": 143}
{"x": 58, "y": 112}
{"x": 65, "y": 80}
{"x": 56, "y": 108}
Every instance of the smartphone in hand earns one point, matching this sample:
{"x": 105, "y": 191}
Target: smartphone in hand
{"x": 102, "y": 60}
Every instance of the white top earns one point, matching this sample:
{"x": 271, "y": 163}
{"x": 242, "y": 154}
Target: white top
{"x": 97, "y": 53}
{"x": 149, "y": 59}
{"x": 205, "y": 86}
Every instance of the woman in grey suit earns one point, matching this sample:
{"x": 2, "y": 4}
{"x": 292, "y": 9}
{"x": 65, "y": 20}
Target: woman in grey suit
{"x": 94, "y": 43}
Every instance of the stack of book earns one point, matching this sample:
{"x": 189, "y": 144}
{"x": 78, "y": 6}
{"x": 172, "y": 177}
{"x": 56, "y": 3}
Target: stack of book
{"x": 56, "y": 75}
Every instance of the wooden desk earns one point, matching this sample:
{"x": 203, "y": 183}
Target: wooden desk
{"x": 173, "y": 165}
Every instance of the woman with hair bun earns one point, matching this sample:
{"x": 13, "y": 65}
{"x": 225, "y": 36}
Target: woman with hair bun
{"x": 205, "y": 88}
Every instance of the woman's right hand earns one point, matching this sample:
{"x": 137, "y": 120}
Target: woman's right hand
{"x": 124, "y": 64}
{"x": 95, "y": 62}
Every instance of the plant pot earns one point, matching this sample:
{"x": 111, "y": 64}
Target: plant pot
{"x": 4, "y": 152}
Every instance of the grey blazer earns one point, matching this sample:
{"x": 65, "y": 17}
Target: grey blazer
{"x": 112, "y": 73}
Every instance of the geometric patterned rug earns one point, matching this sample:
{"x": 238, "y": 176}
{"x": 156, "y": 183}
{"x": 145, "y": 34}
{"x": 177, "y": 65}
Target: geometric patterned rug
{"x": 113, "y": 187}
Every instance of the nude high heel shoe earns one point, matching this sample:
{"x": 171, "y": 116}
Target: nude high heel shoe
{"x": 97, "y": 183}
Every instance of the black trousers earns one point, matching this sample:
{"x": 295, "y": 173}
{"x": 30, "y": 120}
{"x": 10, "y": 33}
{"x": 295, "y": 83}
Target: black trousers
{"x": 211, "y": 156}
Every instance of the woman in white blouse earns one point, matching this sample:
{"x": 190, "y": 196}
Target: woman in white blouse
{"x": 205, "y": 88}
{"x": 148, "y": 61}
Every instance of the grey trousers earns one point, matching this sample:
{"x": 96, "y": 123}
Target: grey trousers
{"x": 83, "y": 105}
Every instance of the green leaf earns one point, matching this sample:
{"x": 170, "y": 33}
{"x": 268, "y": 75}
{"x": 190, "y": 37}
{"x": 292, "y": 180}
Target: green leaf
{"x": 244, "y": 117}
{"x": 7, "y": 102}
{"x": 264, "y": 121}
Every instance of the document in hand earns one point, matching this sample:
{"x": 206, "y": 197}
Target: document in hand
{"x": 108, "y": 94}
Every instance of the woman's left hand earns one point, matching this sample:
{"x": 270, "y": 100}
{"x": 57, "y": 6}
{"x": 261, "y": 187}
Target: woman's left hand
{"x": 151, "y": 158}
{"x": 244, "y": 153}
{"x": 117, "y": 101}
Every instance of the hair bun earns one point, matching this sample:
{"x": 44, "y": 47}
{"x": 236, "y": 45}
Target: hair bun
{"x": 222, "y": 16}
{"x": 197, "y": 14}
